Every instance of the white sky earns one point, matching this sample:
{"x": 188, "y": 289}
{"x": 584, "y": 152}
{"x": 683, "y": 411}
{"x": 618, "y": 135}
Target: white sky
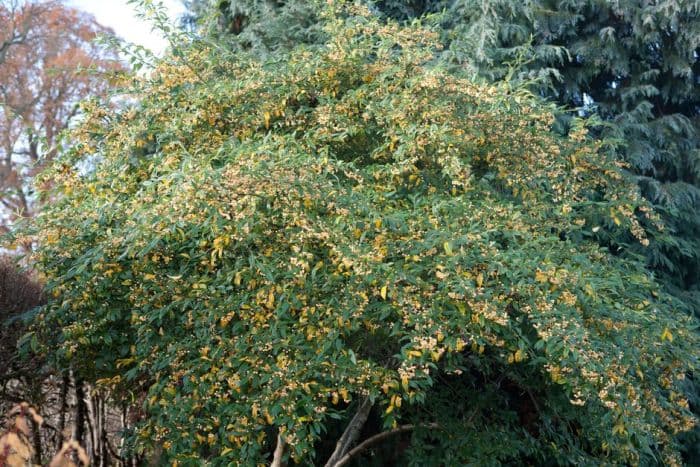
{"x": 119, "y": 16}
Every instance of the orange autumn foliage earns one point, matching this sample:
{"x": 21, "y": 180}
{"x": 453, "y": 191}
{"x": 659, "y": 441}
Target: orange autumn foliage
{"x": 48, "y": 63}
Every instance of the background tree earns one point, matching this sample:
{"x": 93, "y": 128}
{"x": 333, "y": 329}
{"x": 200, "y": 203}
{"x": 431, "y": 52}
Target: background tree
{"x": 22, "y": 378}
{"x": 260, "y": 25}
{"x": 637, "y": 66}
{"x": 344, "y": 240}
{"x": 49, "y": 62}
{"x": 19, "y": 293}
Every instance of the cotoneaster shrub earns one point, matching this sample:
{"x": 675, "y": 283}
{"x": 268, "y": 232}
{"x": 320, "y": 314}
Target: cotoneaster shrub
{"x": 267, "y": 247}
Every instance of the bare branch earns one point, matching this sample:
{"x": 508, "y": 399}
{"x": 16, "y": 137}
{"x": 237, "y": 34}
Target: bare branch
{"x": 279, "y": 452}
{"x": 376, "y": 439}
{"x": 352, "y": 432}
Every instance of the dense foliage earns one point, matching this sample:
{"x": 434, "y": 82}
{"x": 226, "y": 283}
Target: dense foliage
{"x": 634, "y": 64}
{"x": 637, "y": 66}
{"x": 267, "y": 247}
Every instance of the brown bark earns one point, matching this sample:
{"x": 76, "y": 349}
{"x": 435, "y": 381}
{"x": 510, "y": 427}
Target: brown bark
{"x": 376, "y": 439}
{"x": 80, "y": 413}
{"x": 92, "y": 424}
{"x": 104, "y": 452}
{"x": 65, "y": 383}
{"x": 98, "y": 453}
{"x": 36, "y": 435}
{"x": 279, "y": 452}
{"x": 352, "y": 432}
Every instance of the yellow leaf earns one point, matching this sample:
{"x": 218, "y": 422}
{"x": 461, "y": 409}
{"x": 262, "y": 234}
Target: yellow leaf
{"x": 448, "y": 248}
{"x": 479, "y": 280}
{"x": 267, "y": 120}
{"x": 519, "y": 355}
{"x": 404, "y": 382}
{"x": 237, "y": 279}
{"x": 270, "y": 299}
{"x": 619, "y": 428}
{"x": 383, "y": 293}
{"x": 666, "y": 335}
{"x": 589, "y": 290}
{"x": 122, "y": 362}
{"x": 614, "y": 217}
{"x": 556, "y": 375}
{"x": 378, "y": 223}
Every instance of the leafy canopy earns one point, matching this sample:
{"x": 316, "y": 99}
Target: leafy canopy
{"x": 634, "y": 64}
{"x": 262, "y": 244}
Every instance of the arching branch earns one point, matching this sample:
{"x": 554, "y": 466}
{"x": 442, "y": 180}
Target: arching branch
{"x": 352, "y": 431}
{"x": 376, "y": 439}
